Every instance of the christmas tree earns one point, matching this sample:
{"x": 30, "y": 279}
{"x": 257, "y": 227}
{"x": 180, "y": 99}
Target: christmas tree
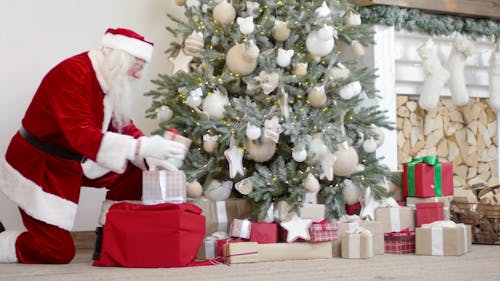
{"x": 276, "y": 101}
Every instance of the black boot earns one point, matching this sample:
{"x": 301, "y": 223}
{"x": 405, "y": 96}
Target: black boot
{"x": 2, "y": 229}
{"x": 98, "y": 243}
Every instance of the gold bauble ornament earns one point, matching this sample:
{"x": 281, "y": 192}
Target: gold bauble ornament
{"x": 281, "y": 32}
{"x": 242, "y": 60}
{"x": 261, "y": 152}
{"x": 224, "y": 12}
{"x": 194, "y": 189}
{"x": 317, "y": 97}
{"x": 180, "y": 2}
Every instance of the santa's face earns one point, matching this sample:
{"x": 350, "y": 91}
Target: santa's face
{"x": 136, "y": 68}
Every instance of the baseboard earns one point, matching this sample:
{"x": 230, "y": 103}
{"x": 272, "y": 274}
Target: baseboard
{"x": 84, "y": 239}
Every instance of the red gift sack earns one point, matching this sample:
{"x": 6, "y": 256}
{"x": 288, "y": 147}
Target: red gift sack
{"x": 162, "y": 235}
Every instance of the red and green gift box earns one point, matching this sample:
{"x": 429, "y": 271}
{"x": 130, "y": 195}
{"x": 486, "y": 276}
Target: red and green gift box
{"x": 400, "y": 242}
{"x": 427, "y": 177}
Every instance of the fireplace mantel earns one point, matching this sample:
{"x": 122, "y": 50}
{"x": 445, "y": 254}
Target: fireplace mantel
{"x": 399, "y": 71}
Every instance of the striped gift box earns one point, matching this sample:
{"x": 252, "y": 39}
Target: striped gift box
{"x": 402, "y": 242}
{"x": 163, "y": 186}
{"x": 323, "y": 231}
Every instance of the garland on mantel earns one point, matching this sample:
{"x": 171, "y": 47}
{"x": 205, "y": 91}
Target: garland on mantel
{"x": 432, "y": 24}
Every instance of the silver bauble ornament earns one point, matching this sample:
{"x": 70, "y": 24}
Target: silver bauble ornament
{"x": 214, "y": 105}
{"x": 164, "y": 113}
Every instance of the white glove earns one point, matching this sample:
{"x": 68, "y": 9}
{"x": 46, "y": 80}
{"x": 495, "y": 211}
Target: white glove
{"x": 160, "y": 148}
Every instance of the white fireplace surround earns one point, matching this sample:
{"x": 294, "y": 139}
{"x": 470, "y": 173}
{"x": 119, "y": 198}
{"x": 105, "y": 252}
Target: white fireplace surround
{"x": 400, "y": 72}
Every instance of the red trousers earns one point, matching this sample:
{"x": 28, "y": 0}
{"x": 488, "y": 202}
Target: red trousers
{"x": 45, "y": 243}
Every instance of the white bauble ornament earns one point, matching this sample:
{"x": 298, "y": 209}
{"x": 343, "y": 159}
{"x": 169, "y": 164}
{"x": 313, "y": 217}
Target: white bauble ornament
{"x": 217, "y": 191}
{"x": 245, "y": 186}
{"x": 194, "y": 98}
{"x": 224, "y": 12}
{"x": 339, "y": 72}
{"x": 246, "y": 25}
{"x": 317, "y": 146}
{"x": 350, "y": 90}
{"x": 180, "y": 2}
{"x": 214, "y": 104}
{"x": 210, "y": 143}
{"x": 281, "y": 32}
{"x": 370, "y": 145}
{"x": 352, "y": 19}
{"x": 379, "y": 135}
{"x": 261, "y": 152}
{"x": 311, "y": 184}
{"x": 358, "y": 50}
{"x": 194, "y": 189}
{"x": 193, "y": 45}
{"x": 253, "y": 8}
{"x": 323, "y": 11}
{"x": 317, "y": 97}
{"x": 299, "y": 154}
{"x": 320, "y": 42}
{"x": 164, "y": 113}
{"x": 350, "y": 192}
{"x": 284, "y": 57}
{"x": 242, "y": 60}
{"x": 253, "y": 132}
{"x": 300, "y": 69}
{"x": 347, "y": 160}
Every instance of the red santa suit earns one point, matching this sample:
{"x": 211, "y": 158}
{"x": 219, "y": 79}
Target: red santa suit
{"x": 72, "y": 111}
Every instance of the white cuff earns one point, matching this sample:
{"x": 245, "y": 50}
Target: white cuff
{"x": 8, "y": 246}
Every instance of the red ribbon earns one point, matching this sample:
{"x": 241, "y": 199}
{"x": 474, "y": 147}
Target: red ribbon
{"x": 322, "y": 223}
{"x": 403, "y": 231}
{"x": 173, "y": 131}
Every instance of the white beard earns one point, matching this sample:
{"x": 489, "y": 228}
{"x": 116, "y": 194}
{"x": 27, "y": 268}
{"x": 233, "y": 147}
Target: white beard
{"x": 116, "y": 65}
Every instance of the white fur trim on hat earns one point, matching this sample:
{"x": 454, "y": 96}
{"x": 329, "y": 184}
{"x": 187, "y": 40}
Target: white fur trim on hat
{"x": 37, "y": 203}
{"x": 8, "y": 246}
{"x": 133, "y": 46}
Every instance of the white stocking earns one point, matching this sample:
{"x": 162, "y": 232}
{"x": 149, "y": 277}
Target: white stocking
{"x": 435, "y": 75}
{"x": 494, "y": 77}
{"x": 462, "y": 48}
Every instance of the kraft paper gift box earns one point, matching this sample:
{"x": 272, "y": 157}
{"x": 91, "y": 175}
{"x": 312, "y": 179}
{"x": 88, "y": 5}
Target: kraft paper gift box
{"x": 357, "y": 244}
{"x": 427, "y": 177}
{"x": 395, "y": 218}
{"x": 350, "y": 225}
{"x": 315, "y": 212}
{"x": 294, "y": 251}
{"x": 241, "y": 228}
{"x": 219, "y": 214}
{"x": 443, "y": 238}
{"x": 172, "y": 134}
{"x": 240, "y": 252}
{"x": 402, "y": 242}
{"x": 411, "y": 201}
{"x": 428, "y": 212}
{"x": 163, "y": 186}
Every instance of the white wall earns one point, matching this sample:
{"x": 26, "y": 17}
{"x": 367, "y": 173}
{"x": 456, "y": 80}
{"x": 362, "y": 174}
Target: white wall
{"x": 36, "y": 35}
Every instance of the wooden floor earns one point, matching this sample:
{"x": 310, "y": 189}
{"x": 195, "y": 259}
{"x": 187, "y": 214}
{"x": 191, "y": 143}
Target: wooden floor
{"x": 483, "y": 263}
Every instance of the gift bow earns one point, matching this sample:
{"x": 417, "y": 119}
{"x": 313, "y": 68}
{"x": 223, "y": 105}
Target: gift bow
{"x": 360, "y": 231}
{"x": 173, "y": 131}
{"x": 430, "y": 160}
{"x": 442, "y": 224}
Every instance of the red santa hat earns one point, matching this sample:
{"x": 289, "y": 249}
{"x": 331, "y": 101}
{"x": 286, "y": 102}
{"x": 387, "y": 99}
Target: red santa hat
{"x": 128, "y": 41}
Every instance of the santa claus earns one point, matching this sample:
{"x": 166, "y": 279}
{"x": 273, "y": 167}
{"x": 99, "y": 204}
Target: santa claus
{"x": 76, "y": 132}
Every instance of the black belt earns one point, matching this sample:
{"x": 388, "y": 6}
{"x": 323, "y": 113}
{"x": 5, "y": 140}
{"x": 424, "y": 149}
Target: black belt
{"x": 50, "y": 148}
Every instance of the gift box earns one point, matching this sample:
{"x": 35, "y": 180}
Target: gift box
{"x": 208, "y": 249}
{"x": 163, "y": 186}
{"x": 353, "y": 209}
{"x": 151, "y": 236}
{"x": 315, "y": 212}
{"x": 241, "y": 228}
{"x": 443, "y": 238}
{"x": 240, "y": 252}
{"x": 174, "y": 135}
{"x": 245, "y": 252}
{"x": 446, "y": 200}
{"x": 395, "y": 218}
{"x": 402, "y": 242}
{"x": 429, "y": 212}
{"x": 357, "y": 244}
{"x": 219, "y": 214}
{"x": 323, "y": 231}
{"x": 264, "y": 233}
{"x": 427, "y": 177}
{"x": 350, "y": 225}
